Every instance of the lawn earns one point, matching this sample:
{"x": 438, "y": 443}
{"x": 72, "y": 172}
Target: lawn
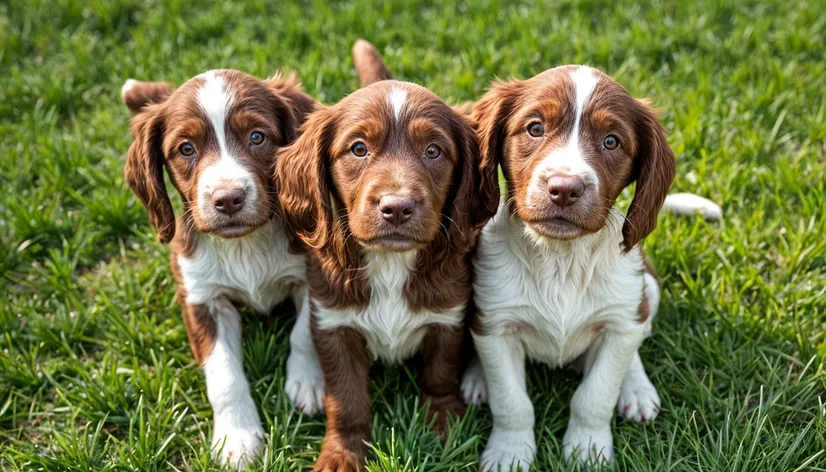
{"x": 95, "y": 368}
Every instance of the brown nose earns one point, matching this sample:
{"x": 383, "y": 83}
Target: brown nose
{"x": 229, "y": 200}
{"x": 396, "y": 210}
{"x": 565, "y": 189}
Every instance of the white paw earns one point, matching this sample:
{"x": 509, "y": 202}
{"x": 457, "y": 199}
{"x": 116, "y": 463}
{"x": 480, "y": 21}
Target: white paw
{"x": 234, "y": 446}
{"x": 474, "y": 386}
{"x": 305, "y": 383}
{"x": 588, "y": 444}
{"x": 638, "y": 401}
{"x": 508, "y": 451}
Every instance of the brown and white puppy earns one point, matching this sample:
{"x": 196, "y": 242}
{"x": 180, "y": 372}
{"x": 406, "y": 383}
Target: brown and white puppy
{"x": 216, "y": 137}
{"x": 384, "y": 191}
{"x": 559, "y": 274}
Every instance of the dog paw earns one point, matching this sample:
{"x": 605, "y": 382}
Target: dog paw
{"x": 305, "y": 384}
{"x": 442, "y": 407}
{"x": 336, "y": 461}
{"x": 508, "y": 451}
{"x": 474, "y": 386}
{"x": 234, "y": 446}
{"x": 639, "y": 403}
{"x": 588, "y": 445}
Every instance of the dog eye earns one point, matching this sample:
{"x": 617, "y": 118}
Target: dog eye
{"x": 187, "y": 149}
{"x": 432, "y": 152}
{"x": 359, "y": 149}
{"x": 256, "y": 138}
{"x": 536, "y": 129}
{"x": 610, "y": 142}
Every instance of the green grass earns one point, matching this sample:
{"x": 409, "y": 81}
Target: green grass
{"x": 95, "y": 369}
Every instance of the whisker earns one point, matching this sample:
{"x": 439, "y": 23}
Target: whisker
{"x": 454, "y": 224}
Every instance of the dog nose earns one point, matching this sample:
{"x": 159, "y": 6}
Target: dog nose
{"x": 565, "y": 189}
{"x": 396, "y": 210}
{"x": 229, "y": 200}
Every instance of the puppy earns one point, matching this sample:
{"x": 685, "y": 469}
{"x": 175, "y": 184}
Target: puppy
{"x": 216, "y": 137}
{"x": 384, "y": 191}
{"x": 559, "y": 275}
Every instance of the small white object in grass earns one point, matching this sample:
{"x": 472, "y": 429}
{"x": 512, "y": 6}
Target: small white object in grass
{"x": 127, "y": 86}
{"x": 689, "y": 204}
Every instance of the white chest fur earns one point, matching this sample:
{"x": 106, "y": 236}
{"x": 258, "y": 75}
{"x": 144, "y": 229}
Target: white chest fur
{"x": 258, "y": 269}
{"x": 556, "y": 296}
{"x": 393, "y": 332}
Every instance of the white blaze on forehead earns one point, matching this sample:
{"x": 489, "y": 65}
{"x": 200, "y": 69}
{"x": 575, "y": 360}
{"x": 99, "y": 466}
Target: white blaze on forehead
{"x": 570, "y": 158}
{"x": 584, "y": 82}
{"x": 396, "y": 99}
{"x": 215, "y": 100}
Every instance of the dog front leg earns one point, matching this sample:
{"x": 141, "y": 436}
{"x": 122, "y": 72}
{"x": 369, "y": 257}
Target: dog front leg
{"x": 588, "y": 436}
{"x": 511, "y": 443}
{"x": 214, "y": 331}
{"x": 345, "y": 361}
{"x": 305, "y": 380}
{"x": 439, "y": 381}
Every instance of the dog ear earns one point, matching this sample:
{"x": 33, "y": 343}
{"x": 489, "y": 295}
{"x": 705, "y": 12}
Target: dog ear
{"x": 490, "y": 115}
{"x": 305, "y": 191}
{"x": 144, "y": 170}
{"x": 293, "y": 105}
{"x": 478, "y": 191}
{"x": 369, "y": 64}
{"x": 136, "y": 94}
{"x": 654, "y": 169}
{"x": 474, "y": 195}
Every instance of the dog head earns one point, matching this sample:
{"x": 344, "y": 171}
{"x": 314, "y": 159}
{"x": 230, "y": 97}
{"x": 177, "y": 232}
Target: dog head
{"x": 569, "y": 141}
{"x": 392, "y": 168}
{"x": 216, "y": 136}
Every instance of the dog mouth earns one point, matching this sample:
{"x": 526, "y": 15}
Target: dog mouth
{"x": 392, "y": 242}
{"x": 235, "y": 229}
{"x": 557, "y": 228}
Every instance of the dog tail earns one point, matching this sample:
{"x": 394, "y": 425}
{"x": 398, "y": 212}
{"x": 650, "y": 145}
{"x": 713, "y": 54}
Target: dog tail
{"x": 368, "y": 62}
{"x": 691, "y": 204}
{"x": 136, "y": 94}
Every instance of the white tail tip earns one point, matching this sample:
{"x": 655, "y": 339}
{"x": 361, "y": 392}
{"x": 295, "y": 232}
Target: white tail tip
{"x": 127, "y": 86}
{"x": 691, "y": 204}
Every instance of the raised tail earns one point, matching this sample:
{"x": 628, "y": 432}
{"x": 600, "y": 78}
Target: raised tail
{"x": 368, "y": 62}
{"x": 137, "y": 94}
{"x": 691, "y": 204}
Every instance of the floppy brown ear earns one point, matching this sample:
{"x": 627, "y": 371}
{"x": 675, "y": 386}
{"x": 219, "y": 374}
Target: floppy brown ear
{"x": 144, "y": 171}
{"x": 473, "y": 199}
{"x": 294, "y": 105}
{"x": 136, "y": 94}
{"x": 654, "y": 169}
{"x": 490, "y": 115}
{"x": 304, "y": 189}
{"x": 483, "y": 176}
{"x": 369, "y": 64}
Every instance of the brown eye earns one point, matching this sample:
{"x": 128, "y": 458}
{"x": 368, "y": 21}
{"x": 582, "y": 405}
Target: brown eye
{"x": 536, "y": 129}
{"x": 187, "y": 149}
{"x": 256, "y": 138}
{"x": 359, "y": 149}
{"x": 432, "y": 152}
{"x": 610, "y": 142}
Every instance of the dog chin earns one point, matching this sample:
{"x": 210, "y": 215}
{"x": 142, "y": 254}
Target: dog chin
{"x": 231, "y": 230}
{"x": 392, "y": 243}
{"x": 234, "y": 231}
{"x": 554, "y": 228}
